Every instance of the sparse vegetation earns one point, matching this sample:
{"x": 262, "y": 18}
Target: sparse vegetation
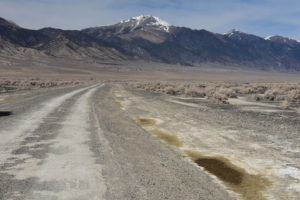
{"x": 7, "y": 85}
{"x": 283, "y": 93}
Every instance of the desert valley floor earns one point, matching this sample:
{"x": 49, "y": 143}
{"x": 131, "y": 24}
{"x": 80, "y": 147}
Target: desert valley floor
{"x": 109, "y": 140}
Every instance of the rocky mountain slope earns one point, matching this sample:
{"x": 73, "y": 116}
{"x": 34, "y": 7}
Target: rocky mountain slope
{"x": 152, "y": 39}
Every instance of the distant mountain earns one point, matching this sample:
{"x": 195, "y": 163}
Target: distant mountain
{"x": 53, "y": 42}
{"x": 152, "y": 39}
{"x": 4, "y": 22}
{"x": 283, "y": 40}
{"x": 16, "y": 35}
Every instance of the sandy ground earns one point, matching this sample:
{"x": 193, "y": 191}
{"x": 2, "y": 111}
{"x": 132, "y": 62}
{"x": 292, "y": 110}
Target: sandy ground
{"x": 60, "y": 68}
{"x": 251, "y": 149}
{"x": 81, "y": 143}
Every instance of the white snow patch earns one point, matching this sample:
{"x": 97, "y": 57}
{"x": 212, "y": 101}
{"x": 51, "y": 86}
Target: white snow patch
{"x": 285, "y": 39}
{"x": 232, "y": 32}
{"x": 269, "y": 37}
{"x": 142, "y": 21}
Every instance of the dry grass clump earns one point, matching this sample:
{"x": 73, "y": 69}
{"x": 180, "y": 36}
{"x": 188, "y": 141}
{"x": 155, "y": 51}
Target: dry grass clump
{"x": 283, "y": 93}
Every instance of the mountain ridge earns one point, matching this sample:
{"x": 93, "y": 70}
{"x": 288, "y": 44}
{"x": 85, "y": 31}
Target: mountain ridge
{"x": 149, "y": 38}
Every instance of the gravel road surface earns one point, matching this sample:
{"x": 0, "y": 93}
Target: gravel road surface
{"x": 77, "y": 143}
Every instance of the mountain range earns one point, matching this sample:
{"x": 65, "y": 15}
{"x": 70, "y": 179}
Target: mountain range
{"x": 148, "y": 38}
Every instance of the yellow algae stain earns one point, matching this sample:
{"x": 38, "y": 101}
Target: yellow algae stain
{"x": 145, "y": 121}
{"x": 7, "y": 100}
{"x": 167, "y": 138}
{"x": 117, "y": 103}
{"x": 249, "y": 186}
{"x": 111, "y": 94}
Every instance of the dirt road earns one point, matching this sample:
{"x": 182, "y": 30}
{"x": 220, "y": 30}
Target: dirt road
{"x": 77, "y": 143}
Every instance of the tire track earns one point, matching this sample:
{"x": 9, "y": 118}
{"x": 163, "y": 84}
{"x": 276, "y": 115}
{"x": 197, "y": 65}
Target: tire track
{"x": 71, "y": 164}
{"x": 21, "y": 159}
{"x": 10, "y": 137}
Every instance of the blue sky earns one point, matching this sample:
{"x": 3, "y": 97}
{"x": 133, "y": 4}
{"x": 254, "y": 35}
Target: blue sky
{"x": 260, "y": 17}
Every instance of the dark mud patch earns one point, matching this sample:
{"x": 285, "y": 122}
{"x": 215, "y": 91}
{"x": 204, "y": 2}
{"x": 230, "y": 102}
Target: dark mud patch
{"x": 167, "y": 138}
{"x": 249, "y": 186}
{"x": 221, "y": 170}
{"x": 5, "y": 113}
{"x": 117, "y": 103}
{"x": 145, "y": 121}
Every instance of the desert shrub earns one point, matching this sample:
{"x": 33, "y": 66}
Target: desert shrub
{"x": 273, "y": 93}
{"x": 219, "y": 97}
{"x": 170, "y": 90}
{"x": 294, "y": 95}
{"x": 32, "y": 83}
{"x": 210, "y": 90}
{"x": 228, "y": 92}
{"x": 220, "y": 92}
{"x": 179, "y": 89}
{"x": 247, "y": 90}
{"x": 194, "y": 92}
{"x": 261, "y": 89}
{"x": 281, "y": 97}
{"x": 137, "y": 85}
{"x": 256, "y": 97}
{"x": 285, "y": 104}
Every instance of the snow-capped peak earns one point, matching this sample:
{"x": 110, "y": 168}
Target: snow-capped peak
{"x": 145, "y": 20}
{"x": 269, "y": 37}
{"x": 278, "y": 38}
{"x": 232, "y": 32}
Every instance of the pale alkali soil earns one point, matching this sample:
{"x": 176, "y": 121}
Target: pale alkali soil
{"x": 259, "y": 141}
